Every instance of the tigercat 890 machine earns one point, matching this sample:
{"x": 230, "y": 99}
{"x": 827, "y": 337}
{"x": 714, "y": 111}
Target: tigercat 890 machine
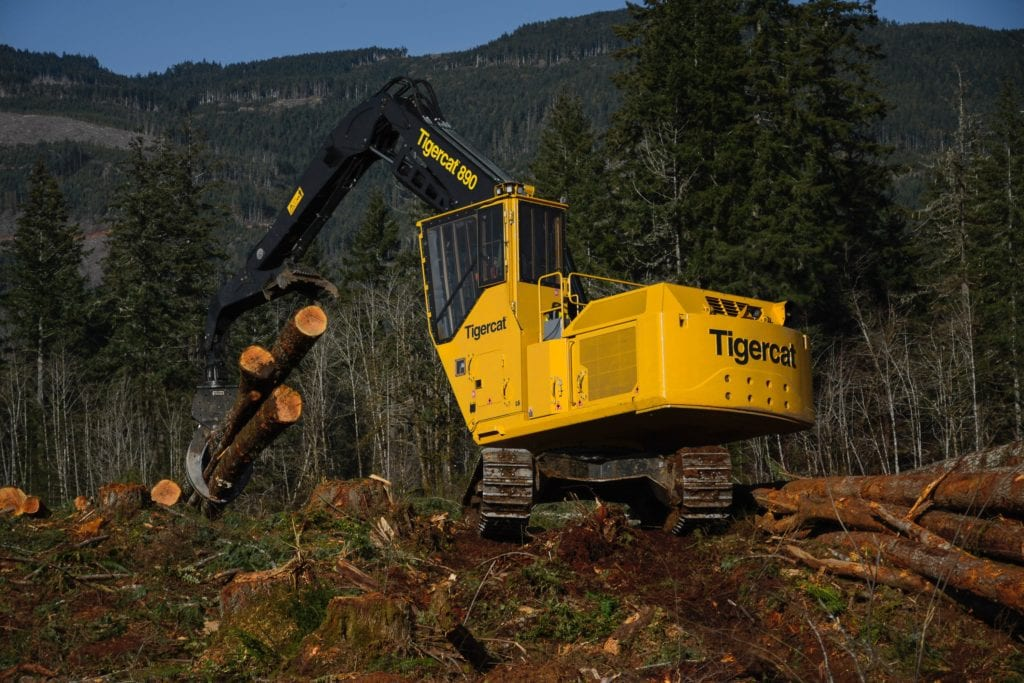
{"x": 569, "y": 389}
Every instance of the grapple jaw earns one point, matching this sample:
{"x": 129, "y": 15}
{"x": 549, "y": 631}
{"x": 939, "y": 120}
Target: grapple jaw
{"x": 209, "y": 405}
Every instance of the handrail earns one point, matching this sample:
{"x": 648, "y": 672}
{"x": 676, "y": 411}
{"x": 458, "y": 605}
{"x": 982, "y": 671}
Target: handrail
{"x": 569, "y": 295}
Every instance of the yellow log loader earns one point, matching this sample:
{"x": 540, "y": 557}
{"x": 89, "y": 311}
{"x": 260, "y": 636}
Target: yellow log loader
{"x": 570, "y": 383}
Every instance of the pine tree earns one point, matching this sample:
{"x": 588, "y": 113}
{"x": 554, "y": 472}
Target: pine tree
{"x": 568, "y": 168}
{"x": 158, "y": 276}
{"x": 672, "y": 140}
{"x": 375, "y": 247}
{"x": 45, "y": 299}
{"x": 999, "y": 220}
{"x": 745, "y": 155}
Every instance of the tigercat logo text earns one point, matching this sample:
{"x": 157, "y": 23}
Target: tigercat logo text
{"x": 432, "y": 150}
{"x": 743, "y": 350}
{"x": 474, "y": 332}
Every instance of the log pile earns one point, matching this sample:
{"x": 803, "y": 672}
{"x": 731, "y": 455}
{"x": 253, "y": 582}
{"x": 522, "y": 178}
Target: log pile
{"x": 957, "y": 527}
{"x": 263, "y": 408}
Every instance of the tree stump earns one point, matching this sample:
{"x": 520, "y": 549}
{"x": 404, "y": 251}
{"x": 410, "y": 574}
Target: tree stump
{"x": 365, "y": 499}
{"x": 122, "y": 499}
{"x": 356, "y": 631}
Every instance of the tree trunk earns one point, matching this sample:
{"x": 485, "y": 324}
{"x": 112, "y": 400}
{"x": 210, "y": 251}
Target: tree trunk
{"x": 1000, "y": 583}
{"x": 992, "y": 492}
{"x": 283, "y": 408}
{"x": 788, "y": 512}
{"x": 998, "y": 538}
{"x": 873, "y": 573}
{"x": 257, "y": 368}
{"x": 296, "y": 338}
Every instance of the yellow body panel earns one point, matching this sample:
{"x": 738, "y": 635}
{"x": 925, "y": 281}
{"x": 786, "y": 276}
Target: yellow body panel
{"x": 654, "y": 368}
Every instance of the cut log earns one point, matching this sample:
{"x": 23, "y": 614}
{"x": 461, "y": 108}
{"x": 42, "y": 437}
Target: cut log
{"x": 872, "y": 573}
{"x": 297, "y": 338}
{"x": 1000, "y": 583}
{"x": 263, "y": 407}
{"x": 165, "y": 492}
{"x": 82, "y": 503}
{"x": 801, "y": 510}
{"x": 998, "y": 538}
{"x": 257, "y": 370}
{"x": 911, "y": 529}
{"x": 34, "y": 507}
{"x": 979, "y": 492}
{"x": 1006, "y": 456}
{"x": 89, "y": 528}
{"x": 283, "y": 408}
{"x": 12, "y": 500}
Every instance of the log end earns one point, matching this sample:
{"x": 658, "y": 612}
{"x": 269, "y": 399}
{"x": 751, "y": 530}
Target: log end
{"x": 165, "y": 492}
{"x": 12, "y": 500}
{"x": 256, "y": 362}
{"x": 287, "y": 405}
{"x": 311, "y": 321}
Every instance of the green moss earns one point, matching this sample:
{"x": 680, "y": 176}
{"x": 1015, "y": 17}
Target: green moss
{"x": 829, "y": 598}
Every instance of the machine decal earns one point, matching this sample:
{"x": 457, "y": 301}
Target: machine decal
{"x": 743, "y": 350}
{"x": 294, "y": 203}
{"x": 432, "y": 150}
{"x": 477, "y": 331}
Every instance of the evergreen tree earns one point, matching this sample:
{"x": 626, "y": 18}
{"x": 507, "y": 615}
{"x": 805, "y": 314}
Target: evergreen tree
{"x": 45, "y": 299}
{"x": 672, "y": 140}
{"x": 999, "y": 219}
{"x": 747, "y": 162}
{"x": 568, "y": 167}
{"x": 158, "y": 276}
{"x": 375, "y": 247}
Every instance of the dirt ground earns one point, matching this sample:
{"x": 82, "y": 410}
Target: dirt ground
{"x": 164, "y": 594}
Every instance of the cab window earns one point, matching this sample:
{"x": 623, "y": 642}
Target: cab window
{"x": 464, "y": 254}
{"x": 541, "y": 234}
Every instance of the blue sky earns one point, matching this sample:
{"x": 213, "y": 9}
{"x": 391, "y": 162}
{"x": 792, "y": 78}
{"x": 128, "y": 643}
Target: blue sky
{"x": 139, "y": 36}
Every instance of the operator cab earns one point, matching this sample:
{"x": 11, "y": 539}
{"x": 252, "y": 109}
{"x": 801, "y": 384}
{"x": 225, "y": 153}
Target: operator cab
{"x": 513, "y": 239}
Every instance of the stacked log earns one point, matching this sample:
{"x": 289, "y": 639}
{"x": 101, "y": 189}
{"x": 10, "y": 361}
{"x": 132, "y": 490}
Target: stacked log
{"x": 954, "y": 527}
{"x": 263, "y": 408}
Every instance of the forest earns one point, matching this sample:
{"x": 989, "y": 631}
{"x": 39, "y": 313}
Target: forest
{"x": 869, "y": 174}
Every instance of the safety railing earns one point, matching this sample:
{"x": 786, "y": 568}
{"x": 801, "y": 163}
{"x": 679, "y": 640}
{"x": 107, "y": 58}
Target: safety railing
{"x": 576, "y": 291}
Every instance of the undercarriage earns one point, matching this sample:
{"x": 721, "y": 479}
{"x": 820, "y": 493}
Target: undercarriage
{"x": 687, "y": 488}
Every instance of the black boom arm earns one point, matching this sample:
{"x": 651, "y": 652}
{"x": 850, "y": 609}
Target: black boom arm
{"x": 401, "y": 124}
